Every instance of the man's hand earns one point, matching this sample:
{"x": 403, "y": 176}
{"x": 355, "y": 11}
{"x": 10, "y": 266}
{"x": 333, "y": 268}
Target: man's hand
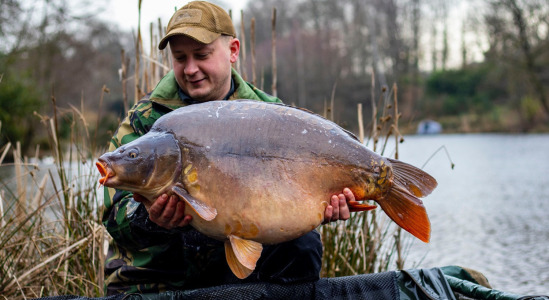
{"x": 338, "y": 209}
{"x": 166, "y": 212}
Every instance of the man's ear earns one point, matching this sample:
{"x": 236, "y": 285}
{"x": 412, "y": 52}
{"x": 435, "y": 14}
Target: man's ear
{"x": 234, "y": 46}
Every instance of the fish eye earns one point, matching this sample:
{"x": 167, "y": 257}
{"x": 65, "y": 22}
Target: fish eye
{"x": 132, "y": 154}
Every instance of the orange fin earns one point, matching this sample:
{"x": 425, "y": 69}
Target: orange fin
{"x": 415, "y": 180}
{"x": 242, "y": 255}
{"x": 205, "y": 211}
{"x": 355, "y": 206}
{"x": 238, "y": 269}
{"x": 408, "y": 212}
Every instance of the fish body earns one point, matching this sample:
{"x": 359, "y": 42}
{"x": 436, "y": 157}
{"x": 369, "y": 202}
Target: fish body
{"x": 254, "y": 173}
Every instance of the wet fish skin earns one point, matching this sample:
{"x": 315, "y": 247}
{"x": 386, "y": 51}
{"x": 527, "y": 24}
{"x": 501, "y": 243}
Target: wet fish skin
{"x": 256, "y": 173}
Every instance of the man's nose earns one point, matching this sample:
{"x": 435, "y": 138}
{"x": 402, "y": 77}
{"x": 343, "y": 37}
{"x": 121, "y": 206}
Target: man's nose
{"x": 191, "y": 67}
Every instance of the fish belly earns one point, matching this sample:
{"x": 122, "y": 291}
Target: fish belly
{"x": 268, "y": 200}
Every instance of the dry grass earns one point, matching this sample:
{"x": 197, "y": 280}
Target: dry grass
{"x": 369, "y": 241}
{"x": 51, "y": 238}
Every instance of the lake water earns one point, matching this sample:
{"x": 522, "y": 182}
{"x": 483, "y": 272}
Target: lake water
{"x": 491, "y": 212}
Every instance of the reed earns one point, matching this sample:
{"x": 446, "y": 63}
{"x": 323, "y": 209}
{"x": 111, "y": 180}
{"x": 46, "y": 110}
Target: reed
{"x": 369, "y": 241}
{"x": 51, "y": 237}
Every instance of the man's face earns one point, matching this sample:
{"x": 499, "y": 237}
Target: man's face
{"x": 203, "y": 71}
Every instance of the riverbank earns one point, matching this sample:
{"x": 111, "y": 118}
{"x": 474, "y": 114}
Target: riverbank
{"x": 499, "y": 121}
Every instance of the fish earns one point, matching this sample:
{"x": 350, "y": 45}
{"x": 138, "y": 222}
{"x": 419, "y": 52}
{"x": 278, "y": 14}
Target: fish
{"x": 253, "y": 173}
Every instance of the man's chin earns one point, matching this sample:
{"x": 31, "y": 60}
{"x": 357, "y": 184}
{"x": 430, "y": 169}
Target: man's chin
{"x": 199, "y": 96}
{"x": 201, "y": 99}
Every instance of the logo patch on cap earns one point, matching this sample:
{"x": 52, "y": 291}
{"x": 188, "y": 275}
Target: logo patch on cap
{"x": 188, "y": 16}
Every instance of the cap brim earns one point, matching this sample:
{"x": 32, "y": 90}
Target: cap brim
{"x": 201, "y": 35}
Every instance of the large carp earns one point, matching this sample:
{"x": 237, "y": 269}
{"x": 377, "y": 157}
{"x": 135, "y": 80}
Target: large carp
{"x": 256, "y": 173}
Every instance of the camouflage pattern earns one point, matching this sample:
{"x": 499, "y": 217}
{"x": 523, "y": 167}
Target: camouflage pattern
{"x": 144, "y": 257}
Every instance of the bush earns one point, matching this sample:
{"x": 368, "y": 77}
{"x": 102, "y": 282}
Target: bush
{"x": 459, "y": 90}
{"x": 19, "y": 99}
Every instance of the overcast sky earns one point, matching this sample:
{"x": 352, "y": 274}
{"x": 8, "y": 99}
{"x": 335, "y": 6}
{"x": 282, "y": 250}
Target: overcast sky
{"x": 125, "y": 12}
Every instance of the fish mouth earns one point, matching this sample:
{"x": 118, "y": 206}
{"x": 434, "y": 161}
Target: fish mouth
{"x": 105, "y": 170}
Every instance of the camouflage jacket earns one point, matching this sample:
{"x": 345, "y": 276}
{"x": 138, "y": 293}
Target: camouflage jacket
{"x": 146, "y": 258}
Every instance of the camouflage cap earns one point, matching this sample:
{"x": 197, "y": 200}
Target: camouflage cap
{"x": 200, "y": 20}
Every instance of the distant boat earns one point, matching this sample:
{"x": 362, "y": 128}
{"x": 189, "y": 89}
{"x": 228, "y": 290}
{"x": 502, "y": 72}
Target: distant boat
{"x": 429, "y": 127}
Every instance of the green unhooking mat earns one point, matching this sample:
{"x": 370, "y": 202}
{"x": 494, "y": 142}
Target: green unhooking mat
{"x": 446, "y": 283}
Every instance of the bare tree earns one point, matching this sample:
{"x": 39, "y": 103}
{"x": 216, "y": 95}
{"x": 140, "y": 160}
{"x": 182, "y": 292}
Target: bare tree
{"x": 59, "y": 49}
{"x": 529, "y": 56}
{"x": 514, "y": 36}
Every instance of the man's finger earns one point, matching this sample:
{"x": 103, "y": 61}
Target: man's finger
{"x": 179, "y": 214}
{"x": 156, "y": 209}
{"x": 328, "y": 214}
{"x": 344, "y": 212}
{"x": 169, "y": 209}
{"x": 335, "y": 204}
{"x": 186, "y": 220}
{"x": 349, "y": 194}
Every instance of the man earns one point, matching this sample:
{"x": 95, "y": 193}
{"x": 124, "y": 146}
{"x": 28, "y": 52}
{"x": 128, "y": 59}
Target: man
{"x": 153, "y": 249}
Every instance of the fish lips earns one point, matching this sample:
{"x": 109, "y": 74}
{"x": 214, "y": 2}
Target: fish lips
{"x": 105, "y": 170}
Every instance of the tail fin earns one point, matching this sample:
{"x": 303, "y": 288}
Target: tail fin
{"x": 408, "y": 212}
{"x": 413, "y": 179}
{"x": 402, "y": 204}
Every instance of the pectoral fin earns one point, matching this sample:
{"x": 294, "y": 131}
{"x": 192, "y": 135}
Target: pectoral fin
{"x": 204, "y": 210}
{"x": 242, "y": 255}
